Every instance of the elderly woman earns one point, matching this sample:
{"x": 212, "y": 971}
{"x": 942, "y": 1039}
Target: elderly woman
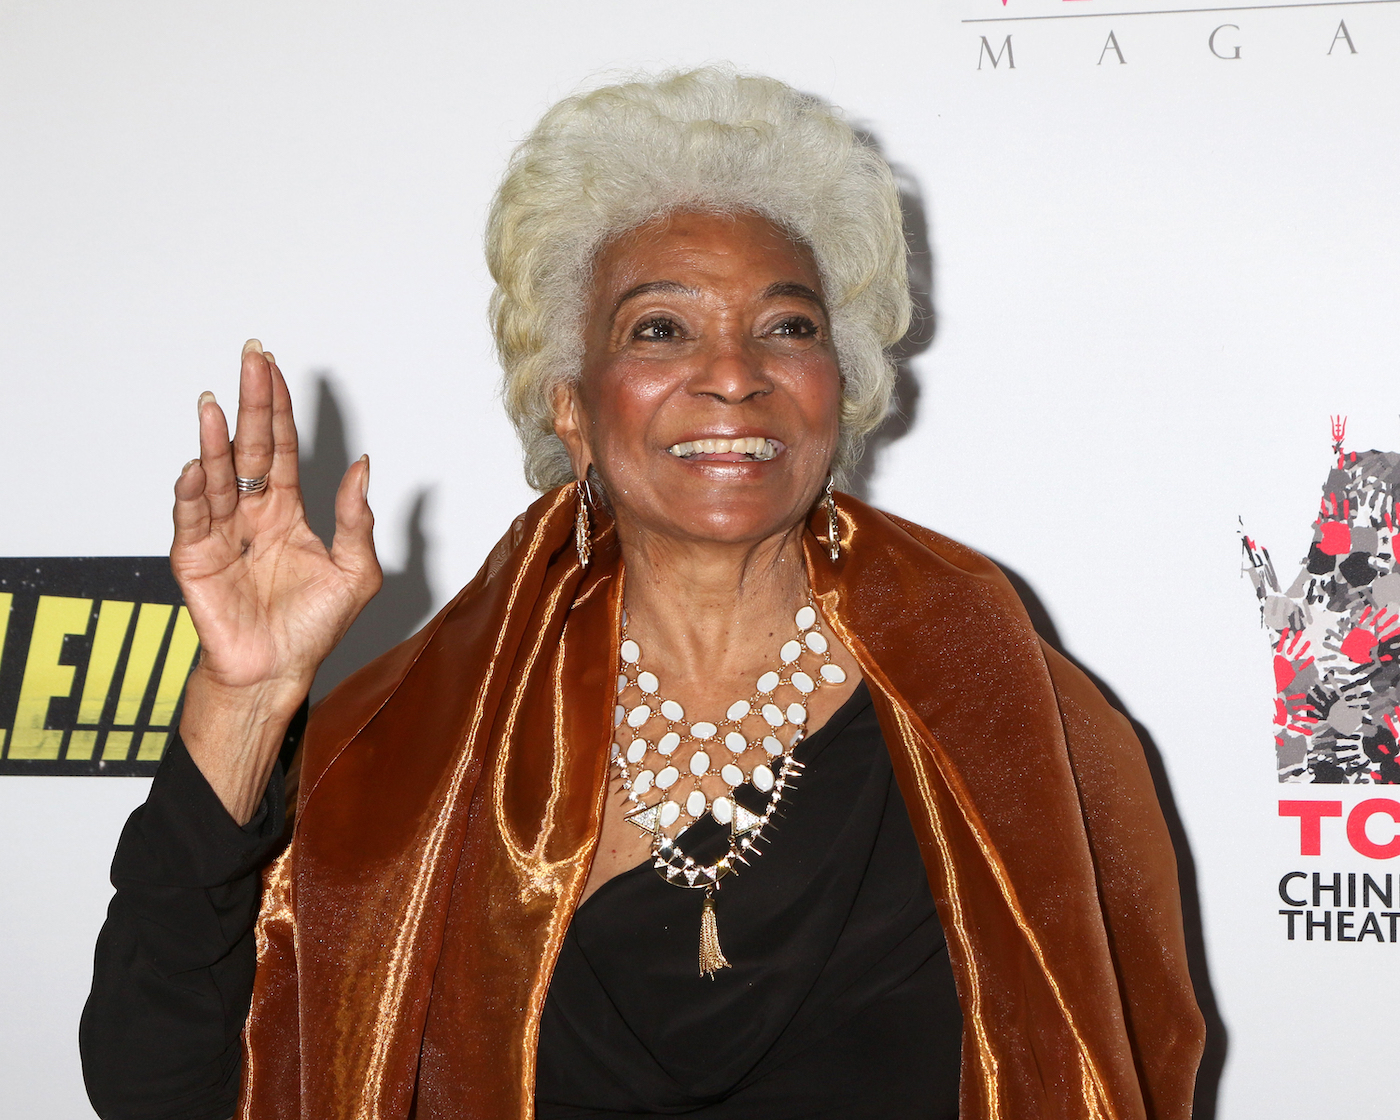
{"x": 716, "y": 792}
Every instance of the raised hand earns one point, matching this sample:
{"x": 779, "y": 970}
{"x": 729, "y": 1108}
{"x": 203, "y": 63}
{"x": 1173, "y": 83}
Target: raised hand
{"x": 267, "y": 598}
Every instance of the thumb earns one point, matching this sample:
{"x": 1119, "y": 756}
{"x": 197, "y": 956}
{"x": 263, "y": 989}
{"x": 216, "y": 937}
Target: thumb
{"x": 352, "y": 547}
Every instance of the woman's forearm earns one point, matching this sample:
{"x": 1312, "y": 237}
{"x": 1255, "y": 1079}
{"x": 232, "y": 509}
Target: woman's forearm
{"x": 173, "y": 970}
{"x": 234, "y": 735}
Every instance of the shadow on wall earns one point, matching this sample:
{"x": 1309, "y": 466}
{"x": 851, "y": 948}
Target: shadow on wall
{"x": 918, "y": 338}
{"x": 404, "y": 601}
{"x": 1217, "y": 1038}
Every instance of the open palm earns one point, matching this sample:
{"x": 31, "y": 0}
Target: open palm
{"x": 268, "y": 599}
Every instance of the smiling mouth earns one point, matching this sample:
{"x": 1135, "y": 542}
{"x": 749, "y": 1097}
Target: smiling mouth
{"x": 746, "y": 449}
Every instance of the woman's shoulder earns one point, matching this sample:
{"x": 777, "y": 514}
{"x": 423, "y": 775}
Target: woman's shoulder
{"x": 889, "y": 530}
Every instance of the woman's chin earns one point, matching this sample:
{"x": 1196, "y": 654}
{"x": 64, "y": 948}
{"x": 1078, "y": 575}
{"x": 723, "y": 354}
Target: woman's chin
{"x": 715, "y": 500}
{"x": 742, "y": 519}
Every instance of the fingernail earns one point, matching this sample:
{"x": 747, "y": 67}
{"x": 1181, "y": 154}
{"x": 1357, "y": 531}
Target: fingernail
{"x": 268, "y": 355}
{"x": 186, "y": 468}
{"x": 364, "y": 479}
{"x": 254, "y": 345}
{"x": 205, "y": 397}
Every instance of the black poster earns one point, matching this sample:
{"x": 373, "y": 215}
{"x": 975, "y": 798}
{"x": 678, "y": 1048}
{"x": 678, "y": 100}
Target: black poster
{"x": 94, "y": 655}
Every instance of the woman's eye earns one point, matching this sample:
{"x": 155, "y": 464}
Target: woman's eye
{"x": 657, "y": 330}
{"x": 797, "y": 326}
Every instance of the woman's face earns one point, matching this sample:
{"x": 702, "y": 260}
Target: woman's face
{"x": 704, "y": 330}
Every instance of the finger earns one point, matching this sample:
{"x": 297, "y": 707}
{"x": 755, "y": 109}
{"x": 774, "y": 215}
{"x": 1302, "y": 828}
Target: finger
{"x": 191, "y": 506}
{"x": 252, "y": 438}
{"x": 285, "y": 471}
{"x": 216, "y": 457}
{"x": 352, "y": 548}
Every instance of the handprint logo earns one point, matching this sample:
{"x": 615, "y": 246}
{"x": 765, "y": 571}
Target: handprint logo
{"x": 1294, "y": 676}
{"x": 1367, "y": 640}
{"x": 1336, "y": 629}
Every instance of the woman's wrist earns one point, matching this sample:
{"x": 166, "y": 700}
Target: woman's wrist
{"x": 233, "y": 734}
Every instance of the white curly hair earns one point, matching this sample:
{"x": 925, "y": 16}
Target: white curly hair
{"x": 604, "y": 162}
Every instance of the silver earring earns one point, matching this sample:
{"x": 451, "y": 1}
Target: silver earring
{"x": 833, "y": 526}
{"x": 583, "y": 527}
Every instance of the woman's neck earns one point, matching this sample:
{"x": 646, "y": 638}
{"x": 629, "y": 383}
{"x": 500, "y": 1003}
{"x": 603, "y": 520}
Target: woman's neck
{"x": 708, "y": 612}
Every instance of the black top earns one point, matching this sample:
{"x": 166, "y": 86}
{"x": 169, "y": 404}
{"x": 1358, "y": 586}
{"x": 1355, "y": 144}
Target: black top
{"x": 840, "y": 1001}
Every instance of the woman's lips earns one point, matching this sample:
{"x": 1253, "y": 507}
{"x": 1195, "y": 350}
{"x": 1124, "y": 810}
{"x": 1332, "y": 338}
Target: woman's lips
{"x": 743, "y": 449}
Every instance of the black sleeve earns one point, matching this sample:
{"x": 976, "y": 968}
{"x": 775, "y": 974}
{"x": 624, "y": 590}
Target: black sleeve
{"x": 173, "y": 972}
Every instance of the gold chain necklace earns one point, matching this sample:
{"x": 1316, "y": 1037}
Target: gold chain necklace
{"x": 742, "y": 758}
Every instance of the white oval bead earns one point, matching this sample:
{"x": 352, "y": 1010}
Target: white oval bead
{"x": 736, "y": 742}
{"x": 619, "y": 714}
{"x": 732, "y": 775}
{"x": 816, "y": 641}
{"x": 722, "y": 810}
{"x": 805, "y": 617}
{"x": 703, "y": 730}
{"x": 738, "y": 710}
{"x": 643, "y": 782}
{"x": 796, "y": 714}
{"x": 667, "y": 778}
{"x": 616, "y": 750}
{"x": 695, "y": 804}
{"x": 768, "y": 682}
{"x": 669, "y": 812}
{"x": 699, "y": 763}
{"x": 647, "y": 682}
{"x": 638, "y": 716}
{"x": 803, "y": 683}
{"x": 773, "y": 714}
{"x": 833, "y": 674}
{"x": 668, "y": 742}
{"x": 630, "y": 651}
{"x": 791, "y": 651}
{"x": 762, "y": 778}
{"x": 621, "y": 681}
{"x": 772, "y": 745}
{"x": 672, "y": 711}
{"x": 637, "y": 750}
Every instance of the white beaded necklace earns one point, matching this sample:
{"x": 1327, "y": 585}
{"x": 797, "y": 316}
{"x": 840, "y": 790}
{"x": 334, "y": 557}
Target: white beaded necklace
{"x": 744, "y": 755}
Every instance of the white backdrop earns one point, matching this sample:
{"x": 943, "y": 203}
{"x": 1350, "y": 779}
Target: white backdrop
{"x": 1153, "y": 281}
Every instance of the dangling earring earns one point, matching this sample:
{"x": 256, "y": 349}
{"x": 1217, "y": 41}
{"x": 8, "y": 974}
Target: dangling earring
{"x": 583, "y": 527}
{"x": 833, "y": 526}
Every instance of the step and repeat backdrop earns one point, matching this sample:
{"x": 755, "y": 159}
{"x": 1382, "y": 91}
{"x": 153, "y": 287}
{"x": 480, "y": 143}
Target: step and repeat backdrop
{"x": 1155, "y": 377}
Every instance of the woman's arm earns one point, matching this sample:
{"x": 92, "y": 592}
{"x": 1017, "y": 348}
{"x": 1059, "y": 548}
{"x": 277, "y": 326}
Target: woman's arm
{"x": 269, "y": 600}
{"x": 173, "y": 970}
{"x": 1138, "y": 891}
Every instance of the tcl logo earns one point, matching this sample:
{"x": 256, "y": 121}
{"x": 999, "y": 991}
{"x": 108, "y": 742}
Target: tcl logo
{"x": 1310, "y": 815}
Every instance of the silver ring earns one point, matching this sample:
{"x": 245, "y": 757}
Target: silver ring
{"x": 250, "y": 485}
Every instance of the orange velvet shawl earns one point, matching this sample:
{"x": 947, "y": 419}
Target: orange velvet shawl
{"x": 451, "y": 795}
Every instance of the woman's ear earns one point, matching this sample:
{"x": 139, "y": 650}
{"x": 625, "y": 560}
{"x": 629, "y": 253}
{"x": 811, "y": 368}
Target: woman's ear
{"x": 570, "y": 424}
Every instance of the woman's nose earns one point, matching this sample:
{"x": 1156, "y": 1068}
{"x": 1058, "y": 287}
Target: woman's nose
{"x": 732, "y": 370}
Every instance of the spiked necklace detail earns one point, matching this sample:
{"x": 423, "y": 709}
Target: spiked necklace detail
{"x": 734, "y": 771}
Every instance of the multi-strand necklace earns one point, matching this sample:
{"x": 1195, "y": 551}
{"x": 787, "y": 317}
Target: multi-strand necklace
{"x": 734, "y": 771}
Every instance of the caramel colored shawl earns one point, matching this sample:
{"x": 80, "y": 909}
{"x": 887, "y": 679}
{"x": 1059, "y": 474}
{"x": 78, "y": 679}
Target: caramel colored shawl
{"x": 452, "y": 792}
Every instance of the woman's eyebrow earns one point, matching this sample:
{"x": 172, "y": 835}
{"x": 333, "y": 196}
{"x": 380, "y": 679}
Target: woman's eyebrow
{"x": 674, "y": 287}
{"x": 796, "y": 290}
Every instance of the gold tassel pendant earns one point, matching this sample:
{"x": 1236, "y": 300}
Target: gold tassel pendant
{"x": 711, "y": 955}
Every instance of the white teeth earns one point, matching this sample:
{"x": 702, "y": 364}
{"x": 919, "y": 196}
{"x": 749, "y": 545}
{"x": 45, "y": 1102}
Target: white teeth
{"x": 755, "y": 446}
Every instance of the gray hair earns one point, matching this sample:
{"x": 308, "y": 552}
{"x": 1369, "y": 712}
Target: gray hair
{"x": 604, "y": 162}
